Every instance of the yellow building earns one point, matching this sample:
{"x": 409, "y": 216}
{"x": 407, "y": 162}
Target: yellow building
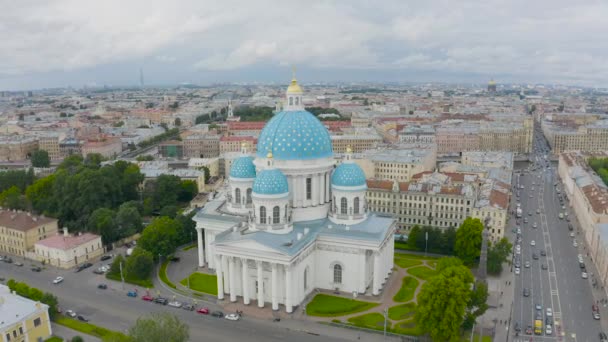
{"x": 22, "y": 319}
{"x": 20, "y": 230}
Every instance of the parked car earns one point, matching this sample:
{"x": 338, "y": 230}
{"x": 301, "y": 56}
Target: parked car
{"x": 232, "y": 317}
{"x": 603, "y": 337}
{"x": 70, "y": 313}
{"x": 584, "y": 275}
{"x": 526, "y": 292}
{"x": 8, "y": 260}
{"x": 102, "y": 286}
{"x": 534, "y": 256}
{"x": 543, "y": 253}
{"x": 204, "y": 311}
{"x": 147, "y": 298}
{"x": 36, "y": 269}
{"x": 57, "y": 280}
{"x": 19, "y": 264}
{"x": 132, "y": 293}
{"x": 217, "y": 314}
{"x": 543, "y": 266}
{"x": 161, "y": 300}
{"x": 106, "y": 257}
{"x": 529, "y": 330}
{"x": 175, "y": 259}
{"x": 175, "y": 304}
{"x": 87, "y": 265}
{"x": 188, "y": 307}
{"x": 596, "y": 312}
{"x": 82, "y": 318}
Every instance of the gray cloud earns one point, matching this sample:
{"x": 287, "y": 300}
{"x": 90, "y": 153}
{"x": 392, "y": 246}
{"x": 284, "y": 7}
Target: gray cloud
{"x": 552, "y": 41}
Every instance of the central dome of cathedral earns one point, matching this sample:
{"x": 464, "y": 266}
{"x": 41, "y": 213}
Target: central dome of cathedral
{"x": 295, "y": 135}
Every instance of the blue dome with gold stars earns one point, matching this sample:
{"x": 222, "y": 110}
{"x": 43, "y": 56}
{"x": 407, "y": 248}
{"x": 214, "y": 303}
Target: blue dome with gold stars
{"x": 295, "y": 135}
{"x": 348, "y": 174}
{"x": 243, "y": 167}
{"x": 270, "y": 182}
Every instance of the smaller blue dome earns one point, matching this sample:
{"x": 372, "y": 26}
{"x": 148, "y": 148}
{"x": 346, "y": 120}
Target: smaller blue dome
{"x": 348, "y": 174}
{"x": 243, "y": 167}
{"x": 270, "y": 182}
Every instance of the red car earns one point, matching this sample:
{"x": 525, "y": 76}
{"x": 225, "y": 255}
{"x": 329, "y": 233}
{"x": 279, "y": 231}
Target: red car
{"x": 147, "y": 298}
{"x": 203, "y": 311}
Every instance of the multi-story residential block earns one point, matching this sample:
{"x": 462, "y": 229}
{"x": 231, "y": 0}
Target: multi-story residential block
{"x": 576, "y": 133}
{"x": 213, "y": 164}
{"x": 588, "y": 197}
{"x": 50, "y": 143}
{"x": 417, "y": 134}
{"x": 19, "y": 231}
{"x": 233, "y": 143}
{"x": 70, "y": 146}
{"x": 66, "y": 251}
{"x": 17, "y": 147}
{"x": 358, "y": 140}
{"x": 246, "y": 128}
{"x": 22, "y": 319}
{"x": 171, "y": 149}
{"x": 202, "y": 146}
{"x": 398, "y": 164}
{"x": 107, "y": 146}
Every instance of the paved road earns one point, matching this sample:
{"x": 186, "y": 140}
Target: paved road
{"x": 561, "y": 286}
{"x": 113, "y": 309}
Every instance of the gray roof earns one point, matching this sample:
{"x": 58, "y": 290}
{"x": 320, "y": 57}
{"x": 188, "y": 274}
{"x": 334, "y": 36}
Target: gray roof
{"x": 14, "y": 308}
{"x": 373, "y": 229}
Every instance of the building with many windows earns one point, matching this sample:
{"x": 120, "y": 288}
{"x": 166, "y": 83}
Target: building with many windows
{"x": 22, "y": 319}
{"x": 20, "y": 230}
{"x": 66, "y": 251}
{"x": 568, "y": 133}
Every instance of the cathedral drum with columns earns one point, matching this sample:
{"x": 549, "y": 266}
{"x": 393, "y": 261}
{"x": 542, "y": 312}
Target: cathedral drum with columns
{"x": 291, "y": 222}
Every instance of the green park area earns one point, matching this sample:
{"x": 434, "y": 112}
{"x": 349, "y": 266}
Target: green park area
{"x": 323, "y": 305}
{"x": 202, "y": 282}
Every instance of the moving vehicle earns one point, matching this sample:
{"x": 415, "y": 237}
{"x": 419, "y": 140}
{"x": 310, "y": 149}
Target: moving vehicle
{"x": 82, "y": 318}
{"x": 548, "y": 329}
{"x": 161, "y": 300}
{"x": 517, "y": 271}
{"x": 232, "y": 317}
{"x": 543, "y": 253}
{"x": 526, "y": 292}
{"x": 529, "y": 330}
{"x": 57, "y": 280}
{"x": 70, "y": 313}
{"x": 188, "y": 307}
{"x": 584, "y": 275}
{"x": 596, "y": 312}
{"x": 527, "y": 264}
{"x": 102, "y": 286}
{"x": 204, "y": 311}
{"x": 147, "y": 298}
{"x": 543, "y": 266}
{"x": 19, "y": 264}
{"x": 36, "y": 269}
{"x": 532, "y": 243}
{"x": 132, "y": 293}
{"x": 217, "y": 314}
{"x": 175, "y": 304}
{"x": 518, "y": 212}
{"x": 561, "y": 216}
{"x": 538, "y": 327}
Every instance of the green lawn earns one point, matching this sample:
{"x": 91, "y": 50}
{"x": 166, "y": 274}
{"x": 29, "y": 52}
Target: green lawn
{"x": 372, "y": 320}
{"x": 467, "y": 337}
{"x": 202, "y": 282}
{"x": 147, "y": 283}
{"x": 403, "y": 311}
{"x": 406, "y": 292}
{"x": 323, "y": 305}
{"x": 162, "y": 273}
{"x": 422, "y": 272}
{"x": 432, "y": 263}
{"x": 407, "y": 328}
{"x": 87, "y": 328}
{"x": 405, "y": 263}
{"x": 54, "y": 339}
{"x": 415, "y": 256}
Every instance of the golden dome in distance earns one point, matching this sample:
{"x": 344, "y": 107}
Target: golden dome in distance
{"x": 294, "y": 87}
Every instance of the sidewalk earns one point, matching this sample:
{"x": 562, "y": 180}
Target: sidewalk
{"x": 67, "y": 334}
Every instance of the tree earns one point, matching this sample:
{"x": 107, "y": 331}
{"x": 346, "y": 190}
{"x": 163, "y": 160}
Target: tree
{"x": 207, "y": 174}
{"x": 50, "y": 300}
{"x": 77, "y": 339}
{"x": 139, "y": 264}
{"x": 40, "y": 194}
{"x": 164, "y": 191}
{"x": 477, "y": 305}
{"x": 35, "y": 294}
{"x": 102, "y": 222}
{"x": 448, "y": 239}
{"x": 40, "y": 158}
{"x": 412, "y": 237}
{"x": 115, "y": 267}
{"x": 13, "y": 199}
{"x": 93, "y": 160}
{"x": 177, "y": 122}
{"x": 468, "y": 240}
{"x": 188, "y": 190}
{"x": 186, "y": 231}
{"x": 498, "y": 253}
{"x": 445, "y": 263}
{"x": 160, "y": 236}
{"x": 159, "y": 327}
{"x": 128, "y": 219}
{"x": 442, "y": 302}
{"x": 168, "y": 211}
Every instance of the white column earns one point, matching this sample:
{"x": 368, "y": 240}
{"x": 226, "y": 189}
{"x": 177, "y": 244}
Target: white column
{"x": 296, "y": 191}
{"x": 327, "y": 187}
{"x": 288, "y": 289}
{"x": 260, "y": 284}
{"x": 362, "y": 269}
{"x": 322, "y": 190}
{"x": 220, "y": 280}
{"x": 274, "y": 288}
{"x": 315, "y": 189}
{"x": 224, "y": 261}
{"x": 201, "y": 250}
{"x": 232, "y": 280}
{"x": 377, "y": 280}
{"x": 245, "y": 281}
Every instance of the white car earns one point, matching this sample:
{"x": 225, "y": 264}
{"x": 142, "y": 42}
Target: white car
{"x": 57, "y": 280}
{"x": 575, "y": 244}
{"x": 532, "y": 243}
{"x": 175, "y": 304}
{"x": 232, "y": 317}
{"x": 549, "y": 312}
{"x": 527, "y": 264}
{"x": 572, "y": 234}
{"x": 534, "y": 225}
{"x": 548, "y": 330}
{"x": 584, "y": 275}
{"x": 70, "y": 313}
{"x": 517, "y": 270}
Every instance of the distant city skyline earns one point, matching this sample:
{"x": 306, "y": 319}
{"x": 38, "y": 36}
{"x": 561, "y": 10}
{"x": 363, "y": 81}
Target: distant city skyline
{"x": 69, "y": 43}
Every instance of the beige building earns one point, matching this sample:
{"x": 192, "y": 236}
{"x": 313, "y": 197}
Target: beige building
{"x": 107, "y": 146}
{"x": 17, "y": 147}
{"x": 213, "y": 164}
{"x": 398, "y": 164}
{"x": 357, "y": 142}
{"x": 66, "y": 251}
{"x": 565, "y": 134}
{"x": 19, "y": 231}
{"x": 22, "y": 319}
{"x": 588, "y": 197}
{"x": 233, "y": 143}
{"x": 50, "y": 144}
{"x": 201, "y": 146}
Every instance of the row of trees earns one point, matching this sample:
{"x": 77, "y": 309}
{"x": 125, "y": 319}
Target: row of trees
{"x": 440, "y": 241}
{"x": 600, "y": 166}
{"x": 35, "y": 294}
{"x": 171, "y": 133}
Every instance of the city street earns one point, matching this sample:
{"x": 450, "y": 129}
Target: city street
{"x": 111, "y": 308}
{"x": 560, "y": 286}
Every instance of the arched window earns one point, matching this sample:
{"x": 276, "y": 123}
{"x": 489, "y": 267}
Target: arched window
{"x": 297, "y": 100}
{"x": 249, "y": 196}
{"x": 262, "y": 214}
{"x": 337, "y": 274}
{"x": 306, "y": 278}
{"x": 237, "y": 196}
{"x": 356, "y": 205}
{"x": 276, "y": 214}
{"x": 291, "y": 101}
{"x": 343, "y": 206}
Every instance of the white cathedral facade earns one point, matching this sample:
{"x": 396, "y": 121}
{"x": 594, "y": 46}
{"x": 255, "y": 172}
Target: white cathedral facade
{"x": 291, "y": 221}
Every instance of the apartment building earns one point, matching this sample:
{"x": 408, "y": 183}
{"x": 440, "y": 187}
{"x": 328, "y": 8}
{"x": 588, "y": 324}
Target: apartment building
{"x": 201, "y": 146}
{"x": 22, "y": 319}
{"x": 70, "y": 146}
{"x": 400, "y": 163}
{"x": 17, "y": 147}
{"x": 417, "y": 134}
{"x": 107, "y": 146}
{"x": 20, "y": 230}
{"x": 358, "y": 140}
{"x": 171, "y": 149}
{"x": 67, "y": 251}
{"x": 233, "y": 143}
{"x": 50, "y": 143}
{"x": 566, "y": 134}
{"x": 247, "y": 128}
{"x": 588, "y": 197}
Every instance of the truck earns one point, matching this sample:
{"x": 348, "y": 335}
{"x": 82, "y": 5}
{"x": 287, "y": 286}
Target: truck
{"x": 538, "y": 327}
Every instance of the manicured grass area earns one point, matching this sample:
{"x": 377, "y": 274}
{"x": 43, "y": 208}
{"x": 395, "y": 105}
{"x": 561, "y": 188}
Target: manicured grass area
{"x": 162, "y": 273}
{"x": 403, "y": 311}
{"x": 88, "y": 328}
{"x": 401, "y": 245}
{"x": 372, "y": 320}
{"x": 330, "y": 306}
{"x": 467, "y": 337}
{"x": 432, "y": 263}
{"x": 407, "y": 328}
{"x": 187, "y": 248}
{"x": 405, "y": 263}
{"x": 407, "y": 290}
{"x": 54, "y": 339}
{"x": 202, "y": 282}
{"x": 415, "y": 256}
{"x": 147, "y": 283}
{"x": 422, "y": 272}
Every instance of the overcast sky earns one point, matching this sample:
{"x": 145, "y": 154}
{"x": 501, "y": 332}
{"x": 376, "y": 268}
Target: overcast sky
{"x": 74, "y": 42}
